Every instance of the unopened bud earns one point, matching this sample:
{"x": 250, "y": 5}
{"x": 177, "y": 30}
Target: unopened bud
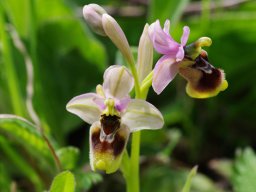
{"x": 116, "y": 34}
{"x": 93, "y": 16}
{"x": 145, "y": 55}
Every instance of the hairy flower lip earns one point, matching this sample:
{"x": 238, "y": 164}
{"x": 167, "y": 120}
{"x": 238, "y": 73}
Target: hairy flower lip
{"x": 204, "y": 80}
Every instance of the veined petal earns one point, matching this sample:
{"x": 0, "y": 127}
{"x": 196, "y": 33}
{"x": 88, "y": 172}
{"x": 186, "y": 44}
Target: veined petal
{"x": 84, "y": 107}
{"x": 167, "y": 26}
{"x": 107, "y": 155}
{"x": 164, "y": 72}
{"x": 180, "y": 54}
{"x": 122, "y": 103}
{"x": 118, "y": 82}
{"x": 162, "y": 41}
{"x": 142, "y": 115}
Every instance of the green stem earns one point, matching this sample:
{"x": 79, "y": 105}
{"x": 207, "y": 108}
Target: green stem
{"x": 133, "y": 180}
{"x": 134, "y": 163}
{"x": 136, "y": 78}
{"x": 146, "y": 83}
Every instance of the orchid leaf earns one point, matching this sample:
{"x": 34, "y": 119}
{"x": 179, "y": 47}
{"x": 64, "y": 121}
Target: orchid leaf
{"x": 63, "y": 182}
{"x": 68, "y": 157}
{"x": 24, "y": 133}
{"x": 85, "y": 180}
{"x": 187, "y": 185}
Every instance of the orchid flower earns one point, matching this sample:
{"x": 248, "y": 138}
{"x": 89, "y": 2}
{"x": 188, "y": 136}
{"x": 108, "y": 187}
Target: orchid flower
{"x": 113, "y": 115}
{"x": 190, "y": 61}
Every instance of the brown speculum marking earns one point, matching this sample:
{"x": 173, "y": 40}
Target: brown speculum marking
{"x": 211, "y": 77}
{"x": 110, "y": 124}
{"x": 116, "y": 146}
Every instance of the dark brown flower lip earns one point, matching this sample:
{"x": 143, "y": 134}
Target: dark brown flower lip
{"x": 202, "y": 63}
{"x": 110, "y": 123}
{"x": 115, "y": 147}
{"x": 208, "y": 78}
{"x": 209, "y": 81}
{"x": 211, "y": 77}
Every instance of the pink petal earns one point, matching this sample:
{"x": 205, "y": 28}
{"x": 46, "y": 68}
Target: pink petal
{"x": 122, "y": 103}
{"x": 99, "y": 101}
{"x": 167, "y": 26}
{"x": 164, "y": 72}
{"x": 184, "y": 37}
{"x": 162, "y": 41}
{"x": 180, "y": 54}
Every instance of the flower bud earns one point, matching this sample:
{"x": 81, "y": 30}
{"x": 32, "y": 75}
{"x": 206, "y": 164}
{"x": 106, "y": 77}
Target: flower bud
{"x": 116, "y": 34}
{"x": 145, "y": 55}
{"x": 194, "y": 49}
{"x": 93, "y": 16}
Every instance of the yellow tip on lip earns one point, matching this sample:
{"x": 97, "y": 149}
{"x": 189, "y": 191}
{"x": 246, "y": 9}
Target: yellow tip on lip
{"x": 101, "y": 165}
{"x": 203, "y": 95}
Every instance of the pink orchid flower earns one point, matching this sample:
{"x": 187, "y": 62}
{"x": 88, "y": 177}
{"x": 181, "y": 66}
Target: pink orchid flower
{"x": 173, "y": 52}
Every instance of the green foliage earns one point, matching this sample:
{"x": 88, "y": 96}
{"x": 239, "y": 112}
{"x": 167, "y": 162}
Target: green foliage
{"x": 68, "y": 157}
{"x": 244, "y": 171}
{"x": 85, "y": 180}
{"x": 25, "y": 133}
{"x": 187, "y": 185}
{"x": 69, "y": 60}
{"x": 63, "y": 182}
{"x": 24, "y": 168}
{"x": 5, "y": 180}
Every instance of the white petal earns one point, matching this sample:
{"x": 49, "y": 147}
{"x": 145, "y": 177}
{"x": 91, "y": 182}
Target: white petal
{"x": 84, "y": 107}
{"x": 118, "y": 82}
{"x": 142, "y": 115}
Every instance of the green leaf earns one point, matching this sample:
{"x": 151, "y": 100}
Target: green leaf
{"x": 63, "y": 182}
{"x": 85, "y": 180}
{"x": 24, "y": 132}
{"x": 18, "y": 162}
{"x": 18, "y": 12}
{"x": 187, "y": 185}
{"x": 68, "y": 157}
{"x": 244, "y": 171}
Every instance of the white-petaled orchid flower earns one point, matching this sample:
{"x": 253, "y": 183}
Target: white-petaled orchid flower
{"x": 113, "y": 115}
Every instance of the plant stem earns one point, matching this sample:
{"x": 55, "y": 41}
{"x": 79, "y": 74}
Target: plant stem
{"x": 134, "y": 163}
{"x": 133, "y": 181}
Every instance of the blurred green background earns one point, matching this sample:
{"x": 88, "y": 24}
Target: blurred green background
{"x": 69, "y": 59}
